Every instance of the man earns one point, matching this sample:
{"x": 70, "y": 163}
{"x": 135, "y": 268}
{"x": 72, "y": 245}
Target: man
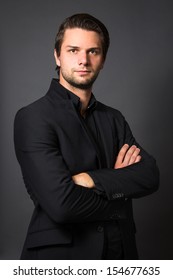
{"x": 80, "y": 162}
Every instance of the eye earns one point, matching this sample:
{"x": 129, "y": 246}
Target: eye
{"x": 73, "y": 51}
{"x": 94, "y": 51}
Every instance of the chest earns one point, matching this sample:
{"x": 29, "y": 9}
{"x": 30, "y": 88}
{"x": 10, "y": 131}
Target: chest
{"x": 86, "y": 144}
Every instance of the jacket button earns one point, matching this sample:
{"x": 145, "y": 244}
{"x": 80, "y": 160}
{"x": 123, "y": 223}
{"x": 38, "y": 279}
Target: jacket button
{"x": 117, "y": 195}
{"x": 100, "y": 229}
{"x": 115, "y": 216}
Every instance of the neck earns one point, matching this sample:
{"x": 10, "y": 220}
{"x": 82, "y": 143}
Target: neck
{"x": 83, "y": 94}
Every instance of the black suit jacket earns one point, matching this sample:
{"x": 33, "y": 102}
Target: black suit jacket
{"x": 52, "y": 144}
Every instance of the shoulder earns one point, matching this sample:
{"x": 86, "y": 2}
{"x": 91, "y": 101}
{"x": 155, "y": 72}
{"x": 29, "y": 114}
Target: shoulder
{"x": 38, "y": 111}
{"x": 33, "y": 119}
{"x": 33, "y": 108}
{"x": 33, "y": 124}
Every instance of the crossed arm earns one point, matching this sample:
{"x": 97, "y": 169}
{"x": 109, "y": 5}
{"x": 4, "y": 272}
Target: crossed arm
{"x": 48, "y": 178}
{"x": 126, "y": 156}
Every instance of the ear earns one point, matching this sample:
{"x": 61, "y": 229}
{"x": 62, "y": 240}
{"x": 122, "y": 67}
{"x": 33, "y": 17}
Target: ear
{"x": 102, "y": 65}
{"x": 57, "y": 60}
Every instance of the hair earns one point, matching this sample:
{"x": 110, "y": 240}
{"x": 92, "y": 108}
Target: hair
{"x": 86, "y": 22}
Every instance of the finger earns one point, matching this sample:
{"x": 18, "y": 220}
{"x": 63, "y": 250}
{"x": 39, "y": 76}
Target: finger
{"x": 74, "y": 178}
{"x": 138, "y": 159}
{"x": 129, "y": 155}
{"x": 134, "y": 156}
{"x": 121, "y": 155}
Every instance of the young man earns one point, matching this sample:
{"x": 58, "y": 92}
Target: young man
{"x": 80, "y": 162}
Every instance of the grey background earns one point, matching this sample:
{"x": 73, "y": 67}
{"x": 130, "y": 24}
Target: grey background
{"x": 137, "y": 80}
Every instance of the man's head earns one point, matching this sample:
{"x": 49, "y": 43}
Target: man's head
{"x": 80, "y": 51}
{"x": 86, "y": 22}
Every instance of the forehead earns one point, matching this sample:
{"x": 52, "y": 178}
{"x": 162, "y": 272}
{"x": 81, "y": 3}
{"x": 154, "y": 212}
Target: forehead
{"x": 81, "y": 37}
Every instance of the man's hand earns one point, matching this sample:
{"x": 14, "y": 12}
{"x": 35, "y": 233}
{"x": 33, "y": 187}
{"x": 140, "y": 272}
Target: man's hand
{"x": 83, "y": 179}
{"x": 127, "y": 156}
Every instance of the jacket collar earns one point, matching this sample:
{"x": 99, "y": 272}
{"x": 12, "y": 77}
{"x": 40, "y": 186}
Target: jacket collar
{"x": 56, "y": 90}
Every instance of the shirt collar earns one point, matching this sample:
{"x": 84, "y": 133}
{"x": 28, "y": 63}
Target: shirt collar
{"x": 76, "y": 101}
{"x": 73, "y": 97}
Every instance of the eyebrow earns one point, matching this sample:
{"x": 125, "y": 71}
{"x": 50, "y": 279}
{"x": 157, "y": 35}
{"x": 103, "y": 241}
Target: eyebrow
{"x": 76, "y": 47}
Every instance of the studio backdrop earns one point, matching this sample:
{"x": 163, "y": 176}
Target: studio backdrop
{"x": 137, "y": 79}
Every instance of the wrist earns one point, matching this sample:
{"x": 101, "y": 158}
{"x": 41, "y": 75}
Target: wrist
{"x": 88, "y": 180}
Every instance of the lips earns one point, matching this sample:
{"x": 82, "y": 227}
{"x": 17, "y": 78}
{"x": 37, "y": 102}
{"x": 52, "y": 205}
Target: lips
{"x": 82, "y": 72}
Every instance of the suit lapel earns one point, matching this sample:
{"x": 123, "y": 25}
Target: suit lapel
{"x": 107, "y": 133}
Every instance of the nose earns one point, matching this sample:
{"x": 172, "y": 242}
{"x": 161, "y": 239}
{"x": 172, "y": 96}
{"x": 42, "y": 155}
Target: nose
{"x": 83, "y": 58}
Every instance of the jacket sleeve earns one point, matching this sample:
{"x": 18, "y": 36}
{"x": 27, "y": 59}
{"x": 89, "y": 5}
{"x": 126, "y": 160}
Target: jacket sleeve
{"x": 136, "y": 180}
{"x": 47, "y": 178}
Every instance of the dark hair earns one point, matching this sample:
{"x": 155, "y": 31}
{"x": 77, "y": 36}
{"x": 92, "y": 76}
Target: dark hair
{"x": 86, "y": 22}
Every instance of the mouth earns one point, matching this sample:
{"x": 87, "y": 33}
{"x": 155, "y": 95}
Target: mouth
{"x": 83, "y": 72}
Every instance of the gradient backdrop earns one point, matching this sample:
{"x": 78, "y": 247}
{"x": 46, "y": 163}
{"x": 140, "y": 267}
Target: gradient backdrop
{"x": 137, "y": 80}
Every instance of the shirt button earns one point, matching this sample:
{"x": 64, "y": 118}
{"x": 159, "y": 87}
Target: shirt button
{"x": 100, "y": 229}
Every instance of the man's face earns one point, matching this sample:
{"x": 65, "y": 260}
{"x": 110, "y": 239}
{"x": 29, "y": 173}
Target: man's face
{"x": 80, "y": 59}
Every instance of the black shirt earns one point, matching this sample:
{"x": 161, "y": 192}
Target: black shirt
{"x": 112, "y": 237}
